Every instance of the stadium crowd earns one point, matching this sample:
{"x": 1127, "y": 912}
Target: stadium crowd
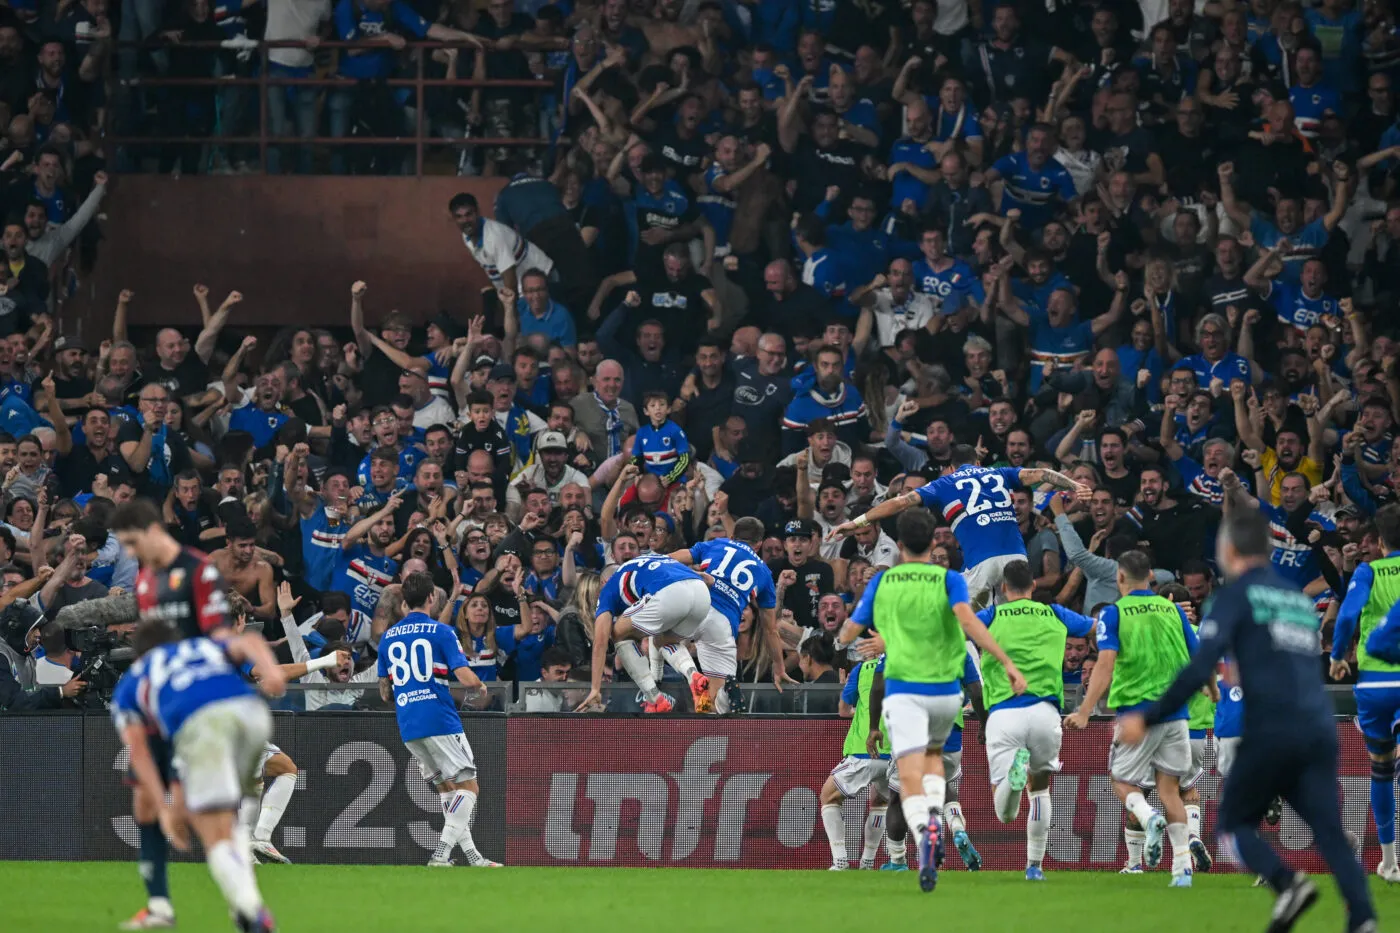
{"x": 779, "y": 260}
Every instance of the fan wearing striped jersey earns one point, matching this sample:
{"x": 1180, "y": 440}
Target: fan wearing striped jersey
{"x": 976, "y": 502}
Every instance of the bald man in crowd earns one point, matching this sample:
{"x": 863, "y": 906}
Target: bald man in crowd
{"x": 602, "y": 414}
{"x": 185, "y": 375}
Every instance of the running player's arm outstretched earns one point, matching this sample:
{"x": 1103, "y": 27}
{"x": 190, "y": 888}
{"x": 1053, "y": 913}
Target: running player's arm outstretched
{"x": 1036, "y": 476}
{"x": 878, "y": 513}
{"x": 602, "y": 637}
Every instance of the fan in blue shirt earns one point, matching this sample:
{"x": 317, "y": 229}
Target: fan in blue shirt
{"x": 660, "y": 443}
{"x": 1035, "y": 183}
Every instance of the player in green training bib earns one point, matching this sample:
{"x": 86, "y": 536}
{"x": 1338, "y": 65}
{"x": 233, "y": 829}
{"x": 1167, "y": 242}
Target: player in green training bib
{"x": 1144, "y": 641}
{"x": 1200, "y": 717}
{"x": 922, "y": 612}
{"x": 1023, "y": 731}
{"x": 858, "y": 769}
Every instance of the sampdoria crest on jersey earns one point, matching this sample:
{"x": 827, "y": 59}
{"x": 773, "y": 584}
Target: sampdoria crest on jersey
{"x": 177, "y": 577}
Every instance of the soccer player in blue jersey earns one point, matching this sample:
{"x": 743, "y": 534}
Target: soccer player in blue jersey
{"x": 741, "y": 577}
{"x": 192, "y": 693}
{"x": 416, "y": 656}
{"x": 976, "y": 502}
{"x": 366, "y": 568}
{"x": 647, "y": 597}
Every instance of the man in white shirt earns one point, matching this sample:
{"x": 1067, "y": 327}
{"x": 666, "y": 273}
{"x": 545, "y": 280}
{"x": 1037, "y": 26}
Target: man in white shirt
{"x": 503, "y": 254}
{"x": 891, "y": 305}
{"x": 54, "y": 669}
{"x": 428, "y": 409}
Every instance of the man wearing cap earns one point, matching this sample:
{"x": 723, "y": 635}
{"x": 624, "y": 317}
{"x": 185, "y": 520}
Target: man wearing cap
{"x": 519, "y": 423}
{"x": 549, "y": 470}
{"x": 436, "y": 367}
{"x": 71, "y": 383}
{"x": 662, "y": 213}
{"x": 802, "y": 577}
{"x": 379, "y": 375}
{"x": 428, "y": 408}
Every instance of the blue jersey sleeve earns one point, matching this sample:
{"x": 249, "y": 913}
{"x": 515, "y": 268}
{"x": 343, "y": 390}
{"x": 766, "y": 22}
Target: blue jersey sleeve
{"x": 987, "y": 615}
{"x": 1077, "y": 625}
{"x": 1066, "y": 185}
{"x": 766, "y": 591}
{"x": 928, "y": 496}
{"x": 382, "y": 668}
{"x": 970, "y": 674}
{"x": 864, "y": 616}
{"x": 505, "y": 638}
{"x": 957, "y": 588}
{"x": 1107, "y": 633}
{"x": 345, "y": 25}
{"x": 1384, "y": 642}
{"x": 1005, "y": 166}
{"x": 607, "y": 597}
{"x": 451, "y": 648}
{"x": 1011, "y": 475}
{"x": 408, "y": 17}
{"x": 850, "y": 691}
{"x": 1358, "y": 594}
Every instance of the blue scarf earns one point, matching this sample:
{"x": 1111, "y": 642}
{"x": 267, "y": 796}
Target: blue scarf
{"x": 158, "y": 471}
{"x": 614, "y": 426}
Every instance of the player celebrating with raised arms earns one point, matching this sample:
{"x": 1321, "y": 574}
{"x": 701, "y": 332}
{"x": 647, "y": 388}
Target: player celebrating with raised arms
{"x": 922, "y": 612}
{"x": 192, "y": 692}
{"x": 976, "y": 502}
{"x": 1023, "y": 731}
{"x": 416, "y": 654}
{"x": 1144, "y": 640}
{"x": 649, "y": 597}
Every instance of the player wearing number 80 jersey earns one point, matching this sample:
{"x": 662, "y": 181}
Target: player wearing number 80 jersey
{"x": 416, "y": 655}
{"x": 976, "y": 503}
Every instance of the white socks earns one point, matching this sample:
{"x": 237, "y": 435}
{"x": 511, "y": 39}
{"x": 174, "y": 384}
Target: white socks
{"x": 834, "y": 821}
{"x": 935, "y": 787}
{"x": 953, "y": 814}
{"x": 232, "y": 871}
{"x": 637, "y": 668}
{"x": 874, "y": 829}
{"x": 1038, "y": 825}
{"x": 1137, "y": 805}
{"x": 248, "y": 814}
{"x": 1387, "y": 854}
{"x": 915, "y": 809}
{"x": 897, "y": 851}
{"x": 457, "y": 827}
{"x": 1193, "y": 820}
{"x": 1181, "y": 847}
{"x": 680, "y": 660}
{"x": 274, "y": 804}
{"x": 1135, "y": 839}
{"x": 1007, "y": 802}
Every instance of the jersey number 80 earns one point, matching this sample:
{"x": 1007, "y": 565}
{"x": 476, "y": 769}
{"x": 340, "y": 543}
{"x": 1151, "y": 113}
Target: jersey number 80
{"x": 411, "y": 661}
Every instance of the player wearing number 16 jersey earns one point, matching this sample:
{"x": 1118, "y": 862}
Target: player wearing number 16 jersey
{"x": 416, "y": 654}
{"x": 976, "y": 502}
{"x": 740, "y": 577}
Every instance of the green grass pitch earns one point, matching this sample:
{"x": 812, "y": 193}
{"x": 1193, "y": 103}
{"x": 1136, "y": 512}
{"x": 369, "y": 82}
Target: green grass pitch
{"x": 95, "y": 896}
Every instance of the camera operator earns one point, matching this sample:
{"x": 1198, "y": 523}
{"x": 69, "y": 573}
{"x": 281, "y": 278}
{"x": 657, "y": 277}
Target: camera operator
{"x": 19, "y": 633}
{"x": 55, "y": 668}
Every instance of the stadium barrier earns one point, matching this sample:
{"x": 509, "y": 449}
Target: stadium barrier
{"x": 574, "y": 790}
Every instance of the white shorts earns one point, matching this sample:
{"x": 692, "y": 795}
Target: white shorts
{"x": 268, "y": 751}
{"x": 1034, "y": 728}
{"x": 1166, "y": 750}
{"x": 1225, "y": 751}
{"x": 952, "y": 773}
{"x": 1198, "y": 755}
{"x": 217, "y": 751}
{"x": 916, "y": 722}
{"x": 443, "y": 758}
{"x": 853, "y": 775}
{"x": 714, "y": 646}
{"x": 679, "y": 609}
{"x": 984, "y": 579}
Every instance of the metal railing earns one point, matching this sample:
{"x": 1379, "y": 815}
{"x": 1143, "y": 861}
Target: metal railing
{"x": 262, "y": 80}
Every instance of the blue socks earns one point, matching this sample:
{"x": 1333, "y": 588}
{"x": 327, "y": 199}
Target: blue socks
{"x": 1383, "y": 800}
{"x": 155, "y": 850}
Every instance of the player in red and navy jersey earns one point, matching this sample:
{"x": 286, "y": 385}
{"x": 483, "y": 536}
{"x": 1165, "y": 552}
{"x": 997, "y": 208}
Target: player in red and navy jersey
{"x": 181, "y": 587}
